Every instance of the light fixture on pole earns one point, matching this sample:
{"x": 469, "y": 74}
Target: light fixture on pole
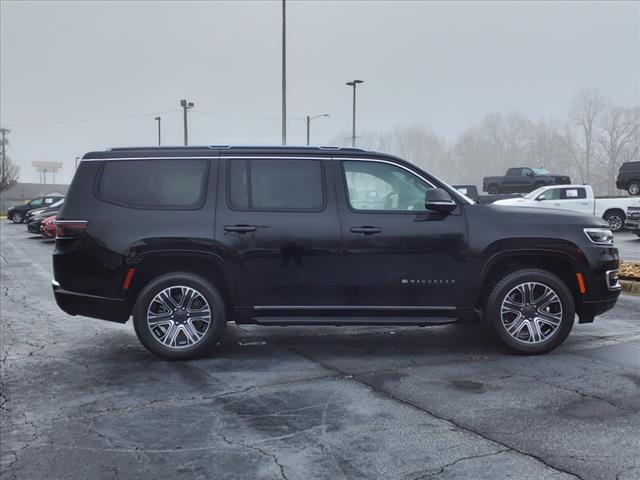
{"x": 186, "y": 106}
{"x": 159, "y": 119}
{"x": 309, "y": 124}
{"x": 353, "y": 84}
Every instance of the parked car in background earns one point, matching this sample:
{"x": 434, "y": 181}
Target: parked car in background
{"x": 18, "y": 213}
{"x": 522, "y": 180}
{"x": 33, "y": 226}
{"x": 577, "y": 198}
{"x": 629, "y": 178}
{"x": 48, "y": 227}
{"x": 54, "y": 207}
{"x": 471, "y": 191}
{"x": 188, "y": 238}
{"x": 632, "y": 223}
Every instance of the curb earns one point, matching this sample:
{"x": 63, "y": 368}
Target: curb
{"x": 631, "y": 287}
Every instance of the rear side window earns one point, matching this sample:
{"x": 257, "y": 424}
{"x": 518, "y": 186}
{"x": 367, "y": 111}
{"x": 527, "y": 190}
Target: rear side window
{"x": 573, "y": 193}
{"x": 284, "y": 185}
{"x": 154, "y": 183}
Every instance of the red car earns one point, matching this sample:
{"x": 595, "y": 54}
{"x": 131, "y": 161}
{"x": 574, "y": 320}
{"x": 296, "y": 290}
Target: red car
{"x": 48, "y": 227}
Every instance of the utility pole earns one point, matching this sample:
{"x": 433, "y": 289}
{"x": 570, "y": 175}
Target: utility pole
{"x": 186, "y": 106}
{"x": 3, "y": 165}
{"x": 309, "y": 124}
{"x": 284, "y": 72}
{"x": 159, "y": 119}
{"x": 353, "y": 84}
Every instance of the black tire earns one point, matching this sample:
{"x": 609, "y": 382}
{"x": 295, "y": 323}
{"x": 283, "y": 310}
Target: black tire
{"x": 17, "y": 217}
{"x": 615, "y": 219}
{"x": 493, "y": 190}
{"x": 212, "y": 334}
{"x": 634, "y": 187}
{"x": 493, "y": 315}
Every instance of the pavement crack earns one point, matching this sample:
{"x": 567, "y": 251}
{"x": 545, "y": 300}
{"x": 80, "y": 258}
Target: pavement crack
{"x": 462, "y": 459}
{"x": 279, "y": 465}
{"x": 415, "y": 406}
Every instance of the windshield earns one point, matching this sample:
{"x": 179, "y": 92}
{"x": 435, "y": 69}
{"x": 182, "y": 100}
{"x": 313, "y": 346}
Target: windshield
{"x": 541, "y": 171}
{"x": 535, "y": 193}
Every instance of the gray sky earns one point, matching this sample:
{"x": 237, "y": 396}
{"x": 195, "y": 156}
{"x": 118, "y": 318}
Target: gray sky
{"x": 69, "y": 68}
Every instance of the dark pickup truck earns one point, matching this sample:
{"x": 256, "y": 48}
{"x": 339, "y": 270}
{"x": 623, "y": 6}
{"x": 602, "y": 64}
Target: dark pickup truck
{"x": 629, "y": 178}
{"x": 522, "y": 180}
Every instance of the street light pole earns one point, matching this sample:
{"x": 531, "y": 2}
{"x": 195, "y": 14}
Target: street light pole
{"x": 284, "y": 72}
{"x": 353, "y": 84}
{"x": 186, "y": 106}
{"x": 309, "y": 124}
{"x": 159, "y": 119}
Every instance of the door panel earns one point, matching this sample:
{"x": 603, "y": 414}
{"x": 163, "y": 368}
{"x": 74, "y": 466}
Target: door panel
{"x": 279, "y": 251}
{"x": 395, "y": 254}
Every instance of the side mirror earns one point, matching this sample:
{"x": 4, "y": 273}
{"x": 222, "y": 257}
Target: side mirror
{"x": 529, "y": 174}
{"x": 541, "y": 197}
{"x": 439, "y": 200}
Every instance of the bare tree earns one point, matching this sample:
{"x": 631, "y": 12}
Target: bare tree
{"x": 619, "y": 139}
{"x": 9, "y": 171}
{"x": 587, "y": 108}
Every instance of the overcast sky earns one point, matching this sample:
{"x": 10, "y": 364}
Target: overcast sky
{"x": 74, "y": 75}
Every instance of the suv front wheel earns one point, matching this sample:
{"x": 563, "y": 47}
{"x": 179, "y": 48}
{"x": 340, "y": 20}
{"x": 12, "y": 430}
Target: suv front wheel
{"x": 530, "y": 311}
{"x": 179, "y": 316}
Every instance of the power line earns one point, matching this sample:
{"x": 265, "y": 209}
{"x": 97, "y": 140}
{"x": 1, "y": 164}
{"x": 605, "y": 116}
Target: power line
{"x": 103, "y": 119}
{"x": 249, "y": 117}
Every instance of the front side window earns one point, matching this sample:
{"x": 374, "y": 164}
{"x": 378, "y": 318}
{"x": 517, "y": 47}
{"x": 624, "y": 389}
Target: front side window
{"x": 280, "y": 184}
{"x": 383, "y": 186}
{"x": 36, "y": 202}
{"x": 525, "y": 172}
{"x": 551, "y": 194}
{"x": 168, "y": 183}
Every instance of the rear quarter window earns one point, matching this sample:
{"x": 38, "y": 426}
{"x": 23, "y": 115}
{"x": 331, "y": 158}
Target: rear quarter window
{"x": 154, "y": 183}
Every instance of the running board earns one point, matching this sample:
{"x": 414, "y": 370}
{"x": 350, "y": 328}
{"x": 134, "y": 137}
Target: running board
{"x": 340, "y": 321}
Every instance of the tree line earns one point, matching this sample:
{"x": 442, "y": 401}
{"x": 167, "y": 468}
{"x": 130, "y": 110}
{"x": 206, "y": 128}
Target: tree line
{"x": 589, "y": 144}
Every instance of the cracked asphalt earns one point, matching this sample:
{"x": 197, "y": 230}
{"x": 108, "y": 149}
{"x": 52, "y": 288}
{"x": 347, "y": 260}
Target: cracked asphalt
{"x": 81, "y": 398}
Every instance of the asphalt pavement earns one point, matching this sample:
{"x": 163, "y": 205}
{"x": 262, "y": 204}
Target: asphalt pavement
{"x": 81, "y": 398}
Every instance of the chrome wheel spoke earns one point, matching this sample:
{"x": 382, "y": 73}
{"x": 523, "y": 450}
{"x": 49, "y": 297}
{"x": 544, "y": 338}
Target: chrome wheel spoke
{"x": 179, "y": 317}
{"x": 531, "y": 312}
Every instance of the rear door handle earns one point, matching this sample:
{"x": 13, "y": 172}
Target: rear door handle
{"x": 240, "y": 228}
{"x": 366, "y": 230}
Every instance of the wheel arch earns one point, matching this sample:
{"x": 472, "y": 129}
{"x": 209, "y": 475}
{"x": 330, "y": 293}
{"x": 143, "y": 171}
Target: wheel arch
{"x": 562, "y": 264}
{"x": 617, "y": 210}
{"x": 151, "y": 265}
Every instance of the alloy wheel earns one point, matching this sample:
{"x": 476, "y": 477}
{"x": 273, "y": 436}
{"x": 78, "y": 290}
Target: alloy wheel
{"x": 179, "y": 317}
{"x": 531, "y": 312}
{"x": 615, "y": 222}
{"x": 17, "y": 217}
{"x": 634, "y": 188}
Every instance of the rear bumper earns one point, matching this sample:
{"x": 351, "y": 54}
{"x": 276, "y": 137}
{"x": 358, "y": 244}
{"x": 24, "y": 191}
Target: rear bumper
{"x": 103, "y": 308}
{"x": 621, "y": 185}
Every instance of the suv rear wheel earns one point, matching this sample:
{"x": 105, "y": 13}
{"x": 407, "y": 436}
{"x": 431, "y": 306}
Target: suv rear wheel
{"x": 530, "y": 311}
{"x": 179, "y": 316}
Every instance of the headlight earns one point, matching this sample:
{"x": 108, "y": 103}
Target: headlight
{"x": 601, "y": 236}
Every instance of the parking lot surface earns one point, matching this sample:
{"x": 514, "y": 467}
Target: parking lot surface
{"x": 81, "y": 398}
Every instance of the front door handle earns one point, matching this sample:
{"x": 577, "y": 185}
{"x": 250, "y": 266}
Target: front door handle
{"x": 557, "y": 204}
{"x": 240, "y": 228}
{"x": 366, "y": 230}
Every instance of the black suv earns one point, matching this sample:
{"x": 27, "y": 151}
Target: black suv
{"x": 188, "y": 238}
{"x": 18, "y": 213}
{"x": 629, "y": 178}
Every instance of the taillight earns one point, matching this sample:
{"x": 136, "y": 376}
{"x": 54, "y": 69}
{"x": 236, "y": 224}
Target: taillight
{"x": 70, "y": 228}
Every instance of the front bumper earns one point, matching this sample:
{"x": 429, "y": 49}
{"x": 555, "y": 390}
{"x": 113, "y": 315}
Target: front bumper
{"x": 632, "y": 224}
{"x": 104, "y": 308}
{"x": 588, "y": 310}
{"x": 33, "y": 227}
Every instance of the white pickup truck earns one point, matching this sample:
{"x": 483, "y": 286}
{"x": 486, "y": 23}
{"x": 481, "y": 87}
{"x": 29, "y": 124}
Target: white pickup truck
{"x": 578, "y": 198}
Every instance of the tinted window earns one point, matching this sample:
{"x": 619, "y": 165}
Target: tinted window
{"x": 35, "y": 202}
{"x": 525, "y": 172}
{"x": 276, "y": 184}
{"x": 382, "y": 186}
{"x": 154, "y": 183}
{"x": 512, "y": 172}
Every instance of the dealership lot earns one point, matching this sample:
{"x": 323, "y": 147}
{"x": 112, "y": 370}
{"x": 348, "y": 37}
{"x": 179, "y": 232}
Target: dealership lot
{"x": 81, "y": 398}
